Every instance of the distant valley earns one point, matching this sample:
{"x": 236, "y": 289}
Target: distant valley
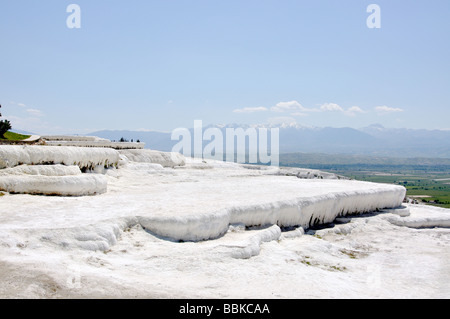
{"x": 374, "y": 140}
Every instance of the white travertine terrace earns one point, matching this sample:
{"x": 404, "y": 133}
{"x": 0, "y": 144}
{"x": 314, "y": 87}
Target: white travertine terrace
{"x": 73, "y": 138}
{"x": 85, "y": 158}
{"x": 115, "y": 145}
{"x": 46, "y": 170}
{"x": 191, "y": 203}
{"x": 76, "y": 185}
{"x": 166, "y": 159}
{"x": 89, "y": 141}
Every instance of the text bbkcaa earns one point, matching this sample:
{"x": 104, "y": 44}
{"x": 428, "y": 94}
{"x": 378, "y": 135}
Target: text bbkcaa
{"x": 227, "y": 309}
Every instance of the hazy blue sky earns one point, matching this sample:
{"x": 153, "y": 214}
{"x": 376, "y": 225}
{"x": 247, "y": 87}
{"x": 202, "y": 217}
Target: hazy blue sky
{"x": 163, "y": 64}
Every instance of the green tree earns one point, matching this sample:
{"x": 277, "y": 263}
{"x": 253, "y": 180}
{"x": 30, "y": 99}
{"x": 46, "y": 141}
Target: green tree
{"x": 5, "y": 126}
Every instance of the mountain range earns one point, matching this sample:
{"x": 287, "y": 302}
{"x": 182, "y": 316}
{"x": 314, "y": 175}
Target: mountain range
{"x": 374, "y": 140}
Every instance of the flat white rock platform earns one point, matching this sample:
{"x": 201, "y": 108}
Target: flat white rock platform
{"x": 199, "y": 201}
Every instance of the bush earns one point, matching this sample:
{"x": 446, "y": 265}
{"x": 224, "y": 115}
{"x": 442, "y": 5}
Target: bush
{"x": 5, "y": 126}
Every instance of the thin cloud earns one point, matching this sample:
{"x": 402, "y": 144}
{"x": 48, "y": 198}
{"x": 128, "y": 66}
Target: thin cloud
{"x": 331, "y": 107}
{"x": 353, "y": 111}
{"x": 287, "y": 107}
{"x": 251, "y": 109}
{"x": 13, "y": 103}
{"x": 291, "y": 106}
{"x": 34, "y": 112}
{"x": 294, "y": 108}
{"x": 387, "y": 110}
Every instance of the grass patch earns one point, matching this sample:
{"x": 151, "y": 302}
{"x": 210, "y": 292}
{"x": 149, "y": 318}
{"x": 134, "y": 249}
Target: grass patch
{"x": 11, "y": 136}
